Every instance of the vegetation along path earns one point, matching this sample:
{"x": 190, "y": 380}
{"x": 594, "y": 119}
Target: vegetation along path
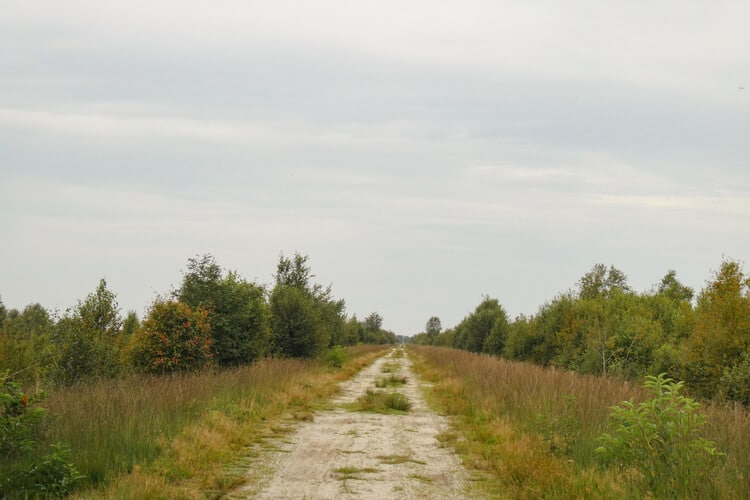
{"x": 380, "y": 440}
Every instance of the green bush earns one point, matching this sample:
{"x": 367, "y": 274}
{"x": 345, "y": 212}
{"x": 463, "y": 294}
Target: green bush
{"x": 336, "y": 356}
{"x": 175, "y": 337}
{"x": 660, "y": 439}
{"x": 19, "y": 418}
{"x": 23, "y": 475}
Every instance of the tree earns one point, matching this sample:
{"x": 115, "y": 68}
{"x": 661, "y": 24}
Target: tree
{"x": 25, "y": 348}
{"x": 87, "y": 338}
{"x": 433, "y": 328}
{"x": 174, "y": 337}
{"x": 305, "y": 317}
{"x": 295, "y": 323}
{"x": 673, "y": 289}
{"x": 3, "y": 313}
{"x": 472, "y": 332}
{"x": 601, "y": 281}
{"x": 722, "y": 329}
{"x": 238, "y": 313}
{"x": 294, "y": 272}
{"x": 373, "y": 323}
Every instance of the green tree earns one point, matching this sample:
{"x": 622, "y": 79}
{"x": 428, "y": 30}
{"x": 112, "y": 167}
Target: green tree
{"x": 238, "y": 313}
{"x": 305, "y": 318}
{"x": 25, "y": 347}
{"x": 295, "y": 323}
{"x": 602, "y": 281}
{"x": 174, "y": 337}
{"x": 373, "y": 323}
{"x": 3, "y": 313}
{"x": 433, "y": 328}
{"x": 475, "y": 328}
{"x": 721, "y": 334}
{"x": 87, "y": 338}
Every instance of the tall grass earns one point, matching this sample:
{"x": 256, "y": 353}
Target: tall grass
{"x": 116, "y": 427}
{"x": 532, "y": 431}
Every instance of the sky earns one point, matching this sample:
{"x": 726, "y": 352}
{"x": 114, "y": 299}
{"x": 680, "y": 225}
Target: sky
{"x": 423, "y": 154}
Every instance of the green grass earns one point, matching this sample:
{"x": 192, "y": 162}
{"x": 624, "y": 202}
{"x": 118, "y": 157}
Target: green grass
{"x": 531, "y": 432}
{"x": 381, "y": 402}
{"x": 391, "y": 381}
{"x": 399, "y": 459}
{"x": 350, "y": 472}
{"x": 390, "y": 368}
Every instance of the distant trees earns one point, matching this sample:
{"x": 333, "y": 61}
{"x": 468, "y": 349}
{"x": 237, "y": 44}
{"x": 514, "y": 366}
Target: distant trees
{"x": 603, "y": 327}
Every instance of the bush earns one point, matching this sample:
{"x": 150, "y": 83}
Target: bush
{"x": 22, "y": 475}
{"x": 336, "y": 356}
{"x": 19, "y": 418}
{"x": 660, "y": 439}
{"x": 174, "y": 337}
{"x": 54, "y": 475}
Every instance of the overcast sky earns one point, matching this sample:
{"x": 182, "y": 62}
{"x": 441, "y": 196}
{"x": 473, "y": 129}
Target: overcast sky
{"x": 422, "y": 153}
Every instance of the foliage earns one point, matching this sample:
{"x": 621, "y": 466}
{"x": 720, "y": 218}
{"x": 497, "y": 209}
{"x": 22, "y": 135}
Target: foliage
{"x": 238, "y": 313}
{"x": 296, "y": 323}
{"x": 660, "y": 438}
{"x": 721, "y": 334}
{"x": 305, "y": 318}
{"x": 25, "y": 348}
{"x": 54, "y": 475}
{"x": 475, "y": 329}
{"x": 87, "y": 338}
{"x": 602, "y": 282}
{"x": 174, "y": 337}
{"x": 19, "y": 417}
{"x": 432, "y": 328}
{"x": 336, "y": 356}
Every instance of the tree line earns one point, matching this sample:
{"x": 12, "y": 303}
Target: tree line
{"x": 603, "y": 327}
{"x": 214, "y": 318}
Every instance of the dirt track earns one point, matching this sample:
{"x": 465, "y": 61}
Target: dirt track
{"x": 346, "y": 454}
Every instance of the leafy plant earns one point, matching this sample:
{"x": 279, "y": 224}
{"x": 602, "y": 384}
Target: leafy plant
{"x": 55, "y": 474}
{"x": 336, "y": 356}
{"x": 174, "y": 337}
{"x": 660, "y": 439}
{"x": 19, "y": 417}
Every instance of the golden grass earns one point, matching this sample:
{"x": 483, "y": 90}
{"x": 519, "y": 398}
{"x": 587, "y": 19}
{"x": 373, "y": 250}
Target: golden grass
{"x": 530, "y": 432}
{"x": 187, "y": 435}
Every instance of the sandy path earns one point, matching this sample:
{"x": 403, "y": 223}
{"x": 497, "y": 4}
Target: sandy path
{"x": 345, "y": 454}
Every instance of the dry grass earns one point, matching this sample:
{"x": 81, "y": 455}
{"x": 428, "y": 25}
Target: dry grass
{"x": 176, "y": 436}
{"x": 531, "y": 432}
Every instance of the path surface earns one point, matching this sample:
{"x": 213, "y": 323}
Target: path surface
{"x": 345, "y": 454}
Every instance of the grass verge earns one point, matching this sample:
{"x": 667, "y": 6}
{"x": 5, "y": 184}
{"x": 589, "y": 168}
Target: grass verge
{"x": 530, "y": 432}
{"x": 177, "y": 436}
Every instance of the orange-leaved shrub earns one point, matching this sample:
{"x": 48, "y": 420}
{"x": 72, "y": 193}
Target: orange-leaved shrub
{"x": 174, "y": 337}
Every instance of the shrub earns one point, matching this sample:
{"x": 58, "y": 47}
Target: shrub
{"x": 660, "y": 438}
{"x": 336, "y": 356}
{"x": 174, "y": 337}
{"x": 54, "y": 475}
{"x": 19, "y": 418}
{"x": 23, "y": 475}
